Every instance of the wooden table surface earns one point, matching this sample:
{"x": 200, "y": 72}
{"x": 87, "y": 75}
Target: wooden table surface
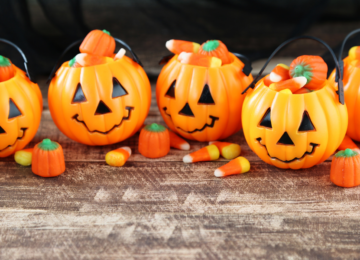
{"x": 165, "y": 209}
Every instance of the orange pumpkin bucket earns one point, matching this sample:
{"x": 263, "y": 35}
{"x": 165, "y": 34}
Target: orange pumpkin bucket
{"x": 202, "y": 100}
{"x": 99, "y": 98}
{"x": 351, "y": 79}
{"x": 296, "y": 130}
{"x": 20, "y": 105}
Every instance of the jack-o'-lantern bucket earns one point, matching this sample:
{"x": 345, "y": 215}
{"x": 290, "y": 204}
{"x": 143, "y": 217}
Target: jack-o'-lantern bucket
{"x": 99, "y": 98}
{"x": 300, "y": 129}
{"x": 20, "y": 105}
{"x": 350, "y": 72}
{"x": 199, "y": 89}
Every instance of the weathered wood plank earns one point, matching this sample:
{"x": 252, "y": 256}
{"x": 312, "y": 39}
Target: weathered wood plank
{"x": 169, "y": 210}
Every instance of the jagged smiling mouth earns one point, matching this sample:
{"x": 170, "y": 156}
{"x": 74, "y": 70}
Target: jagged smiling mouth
{"x": 306, "y": 153}
{"x": 75, "y": 117}
{"x": 17, "y": 139}
{"x": 213, "y": 119}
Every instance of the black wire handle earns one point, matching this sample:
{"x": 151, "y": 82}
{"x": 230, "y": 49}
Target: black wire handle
{"x": 21, "y": 53}
{"x": 341, "y": 63}
{"x": 247, "y": 63}
{"x": 57, "y": 65}
{"x": 340, "y": 91}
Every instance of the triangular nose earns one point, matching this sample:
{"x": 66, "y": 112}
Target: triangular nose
{"x": 2, "y": 131}
{"x": 285, "y": 139}
{"x": 102, "y": 109}
{"x": 186, "y": 110}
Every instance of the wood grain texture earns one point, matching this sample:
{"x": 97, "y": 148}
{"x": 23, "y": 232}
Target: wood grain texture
{"x": 165, "y": 209}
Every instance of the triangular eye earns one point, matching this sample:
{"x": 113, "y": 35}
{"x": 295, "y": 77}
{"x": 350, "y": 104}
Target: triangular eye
{"x": 306, "y": 124}
{"x": 171, "y": 91}
{"x": 14, "y": 110}
{"x": 2, "y": 131}
{"x": 118, "y": 89}
{"x": 79, "y": 95}
{"x": 206, "y": 97}
{"x": 266, "y": 121}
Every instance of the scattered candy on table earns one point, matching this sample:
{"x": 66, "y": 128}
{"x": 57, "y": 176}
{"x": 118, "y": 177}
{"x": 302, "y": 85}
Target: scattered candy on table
{"x": 177, "y": 142}
{"x": 208, "y": 153}
{"x": 345, "y": 169}
{"x": 118, "y": 157}
{"x": 48, "y": 159}
{"x": 24, "y": 157}
{"x": 154, "y": 141}
{"x": 236, "y": 166}
{"x": 293, "y": 84}
{"x": 228, "y": 150}
{"x": 178, "y": 46}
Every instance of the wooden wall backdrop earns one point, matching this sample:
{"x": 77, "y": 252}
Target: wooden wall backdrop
{"x": 163, "y": 208}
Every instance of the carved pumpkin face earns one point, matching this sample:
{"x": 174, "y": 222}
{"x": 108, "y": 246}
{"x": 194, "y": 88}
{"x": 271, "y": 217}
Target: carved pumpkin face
{"x": 21, "y": 107}
{"x": 293, "y": 130}
{"x": 102, "y": 104}
{"x": 201, "y": 103}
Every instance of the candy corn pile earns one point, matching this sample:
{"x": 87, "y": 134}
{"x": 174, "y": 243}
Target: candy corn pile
{"x": 212, "y": 53}
{"x": 306, "y": 74}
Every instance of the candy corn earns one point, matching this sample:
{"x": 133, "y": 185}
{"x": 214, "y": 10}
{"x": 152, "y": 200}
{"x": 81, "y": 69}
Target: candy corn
{"x": 177, "y": 142}
{"x": 279, "y": 73}
{"x": 267, "y": 80}
{"x": 86, "y": 60}
{"x": 355, "y": 63}
{"x": 293, "y": 84}
{"x": 228, "y": 150}
{"x": 303, "y": 91}
{"x": 120, "y": 54}
{"x": 199, "y": 59}
{"x": 178, "y": 46}
{"x": 236, "y": 166}
{"x": 24, "y": 157}
{"x": 354, "y": 53}
{"x": 285, "y": 91}
{"x": 347, "y": 143}
{"x": 118, "y": 157}
{"x": 208, "y": 153}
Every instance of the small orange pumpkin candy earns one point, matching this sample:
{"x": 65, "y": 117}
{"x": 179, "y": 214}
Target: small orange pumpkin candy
{"x": 6, "y": 69}
{"x": 98, "y": 43}
{"x": 313, "y": 68}
{"x": 345, "y": 169}
{"x": 216, "y": 48}
{"x": 48, "y": 159}
{"x": 154, "y": 141}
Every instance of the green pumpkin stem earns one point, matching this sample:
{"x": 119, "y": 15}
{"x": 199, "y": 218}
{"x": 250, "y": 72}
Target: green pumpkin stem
{"x": 4, "y": 62}
{"x": 72, "y": 62}
{"x": 346, "y": 153}
{"x": 155, "y": 128}
{"x": 211, "y": 45}
{"x": 48, "y": 145}
{"x": 107, "y": 32}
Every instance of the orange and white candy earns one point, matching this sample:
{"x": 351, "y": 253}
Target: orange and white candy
{"x": 177, "y": 142}
{"x": 228, "y": 150}
{"x": 208, "y": 153}
{"x": 237, "y": 166}
{"x": 118, "y": 157}
{"x": 293, "y": 84}
{"x": 199, "y": 60}
{"x": 179, "y": 46}
{"x": 279, "y": 73}
{"x": 86, "y": 60}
